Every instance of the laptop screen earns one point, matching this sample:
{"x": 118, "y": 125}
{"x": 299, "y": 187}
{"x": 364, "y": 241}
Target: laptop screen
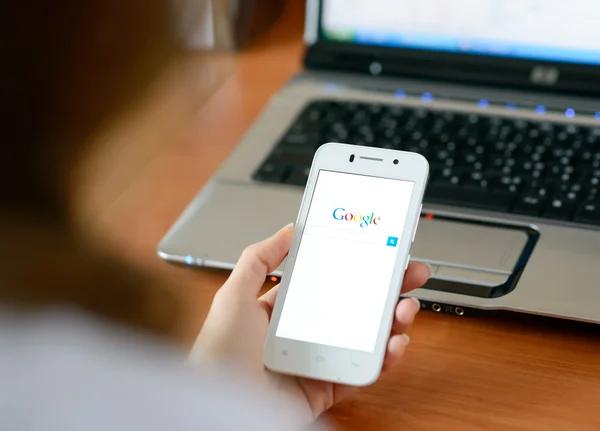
{"x": 550, "y": 30}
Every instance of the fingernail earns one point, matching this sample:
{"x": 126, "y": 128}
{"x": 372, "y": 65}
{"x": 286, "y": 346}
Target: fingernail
{"x": 417, "y": 301}
{"x": 287, "y": 226}
{"x": 430, "y": 268}
{"x": 407, "y": 338}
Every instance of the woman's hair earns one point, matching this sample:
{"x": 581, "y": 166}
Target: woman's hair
{"x": 67, "y": 65}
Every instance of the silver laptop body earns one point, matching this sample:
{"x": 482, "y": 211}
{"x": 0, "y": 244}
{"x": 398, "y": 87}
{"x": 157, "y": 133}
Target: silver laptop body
{"x": 482, "y": 259}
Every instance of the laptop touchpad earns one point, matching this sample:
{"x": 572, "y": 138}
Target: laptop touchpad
{"x": 462, "y": 251}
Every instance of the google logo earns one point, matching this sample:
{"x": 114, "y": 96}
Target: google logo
{"x": 364, "y": 220}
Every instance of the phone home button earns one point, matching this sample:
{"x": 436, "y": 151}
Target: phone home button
{"x": 320, "y": 359}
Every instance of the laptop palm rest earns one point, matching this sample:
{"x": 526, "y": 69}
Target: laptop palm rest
{"x": 471, "y": 257}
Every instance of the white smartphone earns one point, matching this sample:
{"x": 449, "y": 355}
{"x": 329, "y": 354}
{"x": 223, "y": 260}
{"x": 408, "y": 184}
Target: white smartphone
{"x": 342, "y": 277}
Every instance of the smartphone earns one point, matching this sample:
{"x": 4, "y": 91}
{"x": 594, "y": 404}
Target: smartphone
{"x": 341, "y": 280}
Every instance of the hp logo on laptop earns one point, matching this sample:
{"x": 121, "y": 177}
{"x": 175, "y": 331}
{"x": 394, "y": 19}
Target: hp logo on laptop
{"x": 544, "y": 75}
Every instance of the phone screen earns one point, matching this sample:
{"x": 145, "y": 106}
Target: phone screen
{"x": 345, "y": 261}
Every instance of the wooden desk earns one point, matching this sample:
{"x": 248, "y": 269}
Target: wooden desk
{"x": 491, "y": 373}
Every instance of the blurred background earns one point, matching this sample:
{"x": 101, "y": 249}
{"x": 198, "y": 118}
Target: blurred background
{"x": 144, "y": 167}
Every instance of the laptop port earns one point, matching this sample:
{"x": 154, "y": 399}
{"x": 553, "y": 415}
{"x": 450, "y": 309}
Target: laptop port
{"x": 459, "y": 311}
{"x": 436, "y": 307}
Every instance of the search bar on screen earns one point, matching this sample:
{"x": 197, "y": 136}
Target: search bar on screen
{"x": 348, "y": 235}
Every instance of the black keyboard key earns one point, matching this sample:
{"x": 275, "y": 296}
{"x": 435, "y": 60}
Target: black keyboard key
{"x": 476, "y": 181}
{"x": 301, "y": 139}
{"x": 563, "y": 204}
{"x": 336, "y": 137}
{"x": 559, "y": 209}
{"x": 294, "y": 159}
{"x": 298, "y": 177}
{"x": 296, "y": 150}
{"x": 531, "y": 205}
{"x": 392, "y": 144}
{"x": 468, "y": 197}
{"x": 360, "y": 117}
{"x": 589, "y": 213}
{"x": 506, "y": 185}
{"x": 440, "y": 156}
{"x": 592, "y": 194}
{"x": 533, "y": 200}
{"x": 272, "y": 173}
{"x": 365, "y": 140}
{"x": 448, "y": 177}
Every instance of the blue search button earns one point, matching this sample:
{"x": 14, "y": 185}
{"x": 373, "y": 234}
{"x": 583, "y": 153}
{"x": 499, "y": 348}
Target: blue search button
{"x": 392, "y": 241}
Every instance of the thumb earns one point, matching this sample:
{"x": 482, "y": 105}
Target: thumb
{"x": 257, "y": 261}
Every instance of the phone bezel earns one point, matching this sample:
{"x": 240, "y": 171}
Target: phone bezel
{"x": 329, "y": 363}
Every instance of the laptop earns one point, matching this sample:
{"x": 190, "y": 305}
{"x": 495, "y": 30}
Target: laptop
{"x": 502, "y": 97}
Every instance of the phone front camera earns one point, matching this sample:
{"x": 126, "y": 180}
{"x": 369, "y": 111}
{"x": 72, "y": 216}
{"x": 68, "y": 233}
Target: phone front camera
{"x": 351, "y": 158}
{"x": 395, "y": 161}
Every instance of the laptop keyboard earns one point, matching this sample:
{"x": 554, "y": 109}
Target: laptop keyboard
{"x": 500, "y": 164}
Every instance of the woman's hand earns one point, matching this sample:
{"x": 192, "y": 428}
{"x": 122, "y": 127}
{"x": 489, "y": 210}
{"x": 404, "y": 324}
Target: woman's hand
{"x": 236, "y": 326}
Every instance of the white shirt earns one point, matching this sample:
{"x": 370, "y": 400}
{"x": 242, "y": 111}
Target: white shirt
{"x": 65, "y": 371}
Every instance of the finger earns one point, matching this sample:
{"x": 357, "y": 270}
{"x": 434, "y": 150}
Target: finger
{"x": 395, "y": 349}
{"x": 416, "y": 276}
{"x": 404, "y": 315}
{"x": 268, "y": 299}
{"x": 257, "y": 261}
